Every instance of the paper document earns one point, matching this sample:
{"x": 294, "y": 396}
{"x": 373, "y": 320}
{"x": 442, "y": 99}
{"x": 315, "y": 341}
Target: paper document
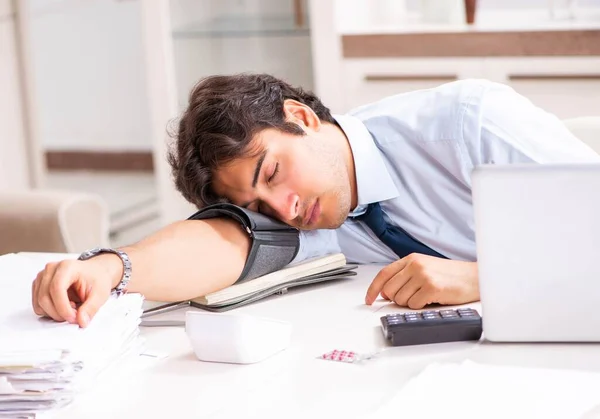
{"x": 471, "y": 390}
{"x": 43, "y": 363}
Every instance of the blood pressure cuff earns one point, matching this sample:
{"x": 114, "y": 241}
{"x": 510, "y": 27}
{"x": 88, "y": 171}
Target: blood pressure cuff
{"x": 274, "y": 244}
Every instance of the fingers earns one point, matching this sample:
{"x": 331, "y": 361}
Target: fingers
{"x": 50, "y": 293}
{"x": 411, "y": 281}
{"x": 419, "y": 299}
{"x": 63, "y": 278}
{"x": 408, "y": 286}
{"x": 43, "y": 295}
{"x": 90, "y": 306}
{"x": 382, "y": 278}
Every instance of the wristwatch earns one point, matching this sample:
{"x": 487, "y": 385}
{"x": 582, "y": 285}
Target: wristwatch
{"x": 120, "y": 288}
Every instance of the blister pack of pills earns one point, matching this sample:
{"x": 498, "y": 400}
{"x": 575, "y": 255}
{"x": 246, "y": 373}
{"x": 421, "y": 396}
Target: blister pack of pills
{"x": 347, "y": 356}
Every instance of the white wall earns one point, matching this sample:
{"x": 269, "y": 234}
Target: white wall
{"x": 13, "y": 158}
{"x": 89, "y": 73}
{"x": 89, "y": 65}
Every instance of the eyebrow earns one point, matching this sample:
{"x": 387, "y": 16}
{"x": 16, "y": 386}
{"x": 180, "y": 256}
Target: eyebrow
{"x": 259, "y": 164}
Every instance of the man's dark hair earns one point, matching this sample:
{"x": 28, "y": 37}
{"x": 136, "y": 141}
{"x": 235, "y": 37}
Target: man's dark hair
{"x": 223, "y": 115}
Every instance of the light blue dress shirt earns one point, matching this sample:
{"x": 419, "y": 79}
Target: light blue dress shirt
{"x": 414, "y": 153}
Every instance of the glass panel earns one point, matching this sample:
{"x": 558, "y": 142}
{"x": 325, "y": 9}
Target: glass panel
{"x": 232, "y": 36}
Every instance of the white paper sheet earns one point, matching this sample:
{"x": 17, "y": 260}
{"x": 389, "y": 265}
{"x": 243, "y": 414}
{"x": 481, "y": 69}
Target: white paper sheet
{"x": 472, "y": 390}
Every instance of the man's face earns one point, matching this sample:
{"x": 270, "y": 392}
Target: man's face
{"x": 300, "y": 180}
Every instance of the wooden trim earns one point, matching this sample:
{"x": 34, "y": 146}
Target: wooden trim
{"x": 299, "y": 13}
{"x": 128, "y": 161}
{"x": 473, "y": 44}
{"x": 409, "y": 77}
{"x": 552, "y": 77}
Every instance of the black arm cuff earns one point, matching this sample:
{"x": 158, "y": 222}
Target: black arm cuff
{"x": 274, "y": 244}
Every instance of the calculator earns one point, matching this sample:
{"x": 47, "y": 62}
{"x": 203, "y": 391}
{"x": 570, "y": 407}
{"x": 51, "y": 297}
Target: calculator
{"x": 432, "y": 326}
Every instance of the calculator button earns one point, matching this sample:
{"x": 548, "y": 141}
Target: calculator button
{"x": 412, "y": 319}
{"x": 396, "y": 320}
{"x": 449, "y": 315}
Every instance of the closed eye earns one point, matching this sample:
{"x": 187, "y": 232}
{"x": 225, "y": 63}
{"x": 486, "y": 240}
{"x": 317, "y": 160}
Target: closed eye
{"x": 274, "y": 173}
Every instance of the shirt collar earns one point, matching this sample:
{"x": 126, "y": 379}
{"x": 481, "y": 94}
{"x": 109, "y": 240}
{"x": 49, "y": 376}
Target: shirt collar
{"x": 373, "y": 182}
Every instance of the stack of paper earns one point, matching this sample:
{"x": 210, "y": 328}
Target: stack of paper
{"x": 472, "y": 390}
{"x": 43, "y": 364}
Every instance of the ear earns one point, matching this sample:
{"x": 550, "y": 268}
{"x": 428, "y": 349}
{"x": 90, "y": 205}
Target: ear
{"x": 301, "y": 114}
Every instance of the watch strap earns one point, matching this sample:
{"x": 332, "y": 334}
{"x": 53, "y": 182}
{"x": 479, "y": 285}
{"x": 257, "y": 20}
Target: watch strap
{"x": 120, "y": 288}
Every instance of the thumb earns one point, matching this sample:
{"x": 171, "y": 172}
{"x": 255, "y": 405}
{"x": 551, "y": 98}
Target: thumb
{"x": 90, "y": 307}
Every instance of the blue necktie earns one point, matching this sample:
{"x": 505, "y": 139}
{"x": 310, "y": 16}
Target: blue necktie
{"x": 402, "y": 243}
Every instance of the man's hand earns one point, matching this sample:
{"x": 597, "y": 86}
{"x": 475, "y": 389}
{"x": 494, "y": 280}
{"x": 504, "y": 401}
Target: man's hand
{"x": 72, "y": 290}
{"x": 418, "y": 280}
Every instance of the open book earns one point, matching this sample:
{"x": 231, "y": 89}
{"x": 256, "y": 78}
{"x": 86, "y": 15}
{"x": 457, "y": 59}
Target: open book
{"x": 314, "y": 270}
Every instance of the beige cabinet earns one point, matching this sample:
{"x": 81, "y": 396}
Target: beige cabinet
{"x": 566, "y": 86}
{"x": 368, "y": 80}
{"x": 569, "y": 87}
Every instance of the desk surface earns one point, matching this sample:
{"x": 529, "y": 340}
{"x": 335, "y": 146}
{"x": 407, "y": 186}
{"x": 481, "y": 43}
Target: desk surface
{"x": 294, "y": 383}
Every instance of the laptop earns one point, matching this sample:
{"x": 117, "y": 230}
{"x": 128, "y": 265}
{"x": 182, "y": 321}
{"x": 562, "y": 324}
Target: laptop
{"x": 538, "y": 245}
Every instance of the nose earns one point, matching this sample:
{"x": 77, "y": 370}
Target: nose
{"x": 286, "y": 205}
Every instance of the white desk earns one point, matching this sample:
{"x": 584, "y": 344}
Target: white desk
{"x": 295, "y": 383}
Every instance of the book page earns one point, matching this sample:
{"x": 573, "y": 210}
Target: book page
{"x": 287, "y": 274}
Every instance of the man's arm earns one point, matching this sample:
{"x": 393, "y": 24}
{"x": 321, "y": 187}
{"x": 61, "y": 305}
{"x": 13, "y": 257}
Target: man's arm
{"x": 183, "y": 260}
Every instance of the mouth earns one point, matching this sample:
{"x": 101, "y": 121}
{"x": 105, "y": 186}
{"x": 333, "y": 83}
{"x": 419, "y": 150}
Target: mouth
{"x": 312, "y": 214}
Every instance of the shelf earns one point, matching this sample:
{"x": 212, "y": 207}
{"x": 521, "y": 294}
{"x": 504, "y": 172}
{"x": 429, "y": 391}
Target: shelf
{"x": 474, "y": 44}
{"x": 244, "y": 27}
{"x": 526, "y": 20}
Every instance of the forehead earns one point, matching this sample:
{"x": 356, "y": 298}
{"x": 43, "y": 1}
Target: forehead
{"x": 234, "y": 178}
